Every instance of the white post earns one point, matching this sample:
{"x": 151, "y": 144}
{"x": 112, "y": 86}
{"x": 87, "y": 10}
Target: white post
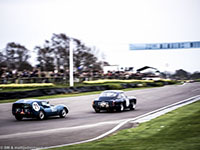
{"x": 71, "y": 66}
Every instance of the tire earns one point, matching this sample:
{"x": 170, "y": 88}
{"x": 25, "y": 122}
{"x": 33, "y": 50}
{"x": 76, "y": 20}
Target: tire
{"x": 121, "y": 108}
{"x": 41, "y": 115}
{"x": 97, "y": 110}
{"x": 111, "y": 110}
{"x": 132, "y": 106}
{"x": 18, "y": 117}
{"x": 63, "y": 113}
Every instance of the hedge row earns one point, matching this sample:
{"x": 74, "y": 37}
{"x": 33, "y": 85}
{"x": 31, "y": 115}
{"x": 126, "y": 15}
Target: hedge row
{"x": 133, "y": 83}
{"x": 30, "y": 85}
{"x": 50, "y": 91}
{"x": 80, "y": 89}
{"x": 116, "y": 81}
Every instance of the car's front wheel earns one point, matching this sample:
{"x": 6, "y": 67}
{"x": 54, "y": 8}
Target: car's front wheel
{"x": 132, "y": 106}
{"x": 63, "y": 113}
{"x": 18, "y": 117}
{"x": 97, "y": 110}
{"x": 41, "y": 115}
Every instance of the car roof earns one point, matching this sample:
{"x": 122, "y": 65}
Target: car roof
{"x": 113, "y": 91}
{"x": 28, "y": 101}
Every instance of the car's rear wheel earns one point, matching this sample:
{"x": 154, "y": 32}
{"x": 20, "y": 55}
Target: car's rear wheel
{"x": 63, "y": 113}
{"x": 110, "y": 110}
{"x": 18, "y": 117}
{"x": 132, "y": 106}
{"x": 41, "y": 115}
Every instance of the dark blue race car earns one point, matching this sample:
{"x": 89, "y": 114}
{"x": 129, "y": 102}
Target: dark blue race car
{"x": 33, "y": 108}
{"x": 114, "y": 100}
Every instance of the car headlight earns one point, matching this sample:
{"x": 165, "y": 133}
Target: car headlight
{"x": 17, "y": 109}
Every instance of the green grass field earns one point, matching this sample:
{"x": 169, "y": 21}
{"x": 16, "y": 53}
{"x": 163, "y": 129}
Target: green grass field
{"x": 177, "y": 130}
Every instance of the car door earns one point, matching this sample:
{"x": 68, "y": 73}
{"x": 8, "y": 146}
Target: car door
{"x": 126, "y": 99}
{"x": 54, "y": 110}
{"x": 49, "y": 110}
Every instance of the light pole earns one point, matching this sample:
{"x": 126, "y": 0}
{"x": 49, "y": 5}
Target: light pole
{"x": 71, "y": 64}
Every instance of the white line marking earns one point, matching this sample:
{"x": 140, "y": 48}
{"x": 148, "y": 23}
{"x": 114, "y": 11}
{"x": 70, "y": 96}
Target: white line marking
{"x": 198, "y": 89}
{"x": 139, "y": 118}
{"x": 56, "y": 130}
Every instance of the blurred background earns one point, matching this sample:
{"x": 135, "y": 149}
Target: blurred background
{"x": 35, "y": 37}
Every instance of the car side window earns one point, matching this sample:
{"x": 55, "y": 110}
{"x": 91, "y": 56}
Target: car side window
{"x": 45, "y": 104}
{"x": 124, "y": 96}
{"x": 119, "y": 96}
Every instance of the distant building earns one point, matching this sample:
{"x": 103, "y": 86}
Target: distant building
{"x": 149, "y": 73}
{"x": 115, "y": 68}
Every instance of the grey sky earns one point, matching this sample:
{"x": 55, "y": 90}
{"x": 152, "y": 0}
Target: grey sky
{"x": 110, "y": 25}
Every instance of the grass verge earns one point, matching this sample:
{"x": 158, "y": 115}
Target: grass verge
{"x": 176, "y": 130}
{"x": 53, "y": 96}
{"x": 36, "y": 86}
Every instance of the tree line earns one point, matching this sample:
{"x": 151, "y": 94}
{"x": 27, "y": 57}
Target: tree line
{"x": 53, "y": 55}
{"x": 181, "y": 74}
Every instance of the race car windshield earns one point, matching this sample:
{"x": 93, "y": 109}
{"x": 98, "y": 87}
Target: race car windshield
{"x": 108, "y": 94}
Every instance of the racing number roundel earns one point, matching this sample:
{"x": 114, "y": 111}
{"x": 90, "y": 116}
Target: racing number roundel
{"x": 36, "y": 107}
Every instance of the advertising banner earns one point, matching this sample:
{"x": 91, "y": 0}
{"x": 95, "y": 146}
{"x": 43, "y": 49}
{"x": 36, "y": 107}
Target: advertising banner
{"x": 158, "y": 46}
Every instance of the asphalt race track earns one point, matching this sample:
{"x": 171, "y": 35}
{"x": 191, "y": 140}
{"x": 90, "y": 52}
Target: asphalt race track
{"x": 82, "y": 122}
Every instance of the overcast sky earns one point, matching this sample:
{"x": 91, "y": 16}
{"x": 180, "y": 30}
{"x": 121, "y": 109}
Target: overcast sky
{"x": 110, "y": 25}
